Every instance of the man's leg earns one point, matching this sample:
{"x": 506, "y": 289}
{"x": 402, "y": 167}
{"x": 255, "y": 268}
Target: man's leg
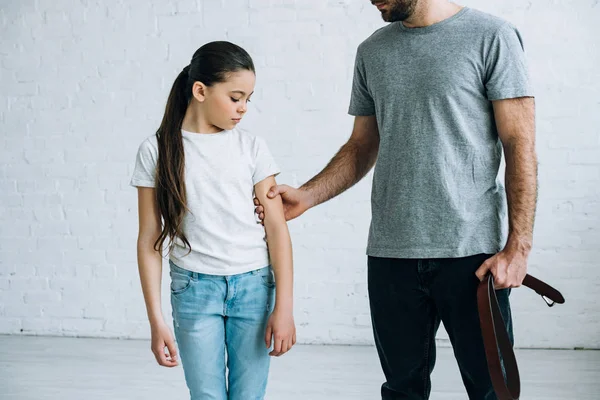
{"x": 454, "y": 290}
{"x": 404, "y": 325}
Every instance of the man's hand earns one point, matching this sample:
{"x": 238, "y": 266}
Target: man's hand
{"x": 295, "y": 201}
{"x": 508, "y": 268}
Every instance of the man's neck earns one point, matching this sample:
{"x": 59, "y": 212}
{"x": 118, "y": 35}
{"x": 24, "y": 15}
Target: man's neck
{"x": 429, "y": 12}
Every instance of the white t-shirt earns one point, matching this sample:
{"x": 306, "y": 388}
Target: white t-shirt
{"x": 221, "y": 170}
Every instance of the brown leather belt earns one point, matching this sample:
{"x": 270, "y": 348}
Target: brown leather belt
{"x": 495, "y": 337}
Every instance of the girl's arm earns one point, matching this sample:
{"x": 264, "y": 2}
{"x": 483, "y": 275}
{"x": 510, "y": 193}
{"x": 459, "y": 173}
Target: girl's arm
{"x": 150, "y": 269}
{"x": 281, "y": 323}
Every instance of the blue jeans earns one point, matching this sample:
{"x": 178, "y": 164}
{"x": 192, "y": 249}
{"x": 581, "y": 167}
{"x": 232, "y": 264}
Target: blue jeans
{"x": 214, "y": 314}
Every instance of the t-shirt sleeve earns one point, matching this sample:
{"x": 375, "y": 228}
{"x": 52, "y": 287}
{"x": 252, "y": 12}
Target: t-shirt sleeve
{"x": 144, "y": 173}
{"x": 506, "y": 67}
{"x": 264, "y": 163}
{"x": 361, "y": 102}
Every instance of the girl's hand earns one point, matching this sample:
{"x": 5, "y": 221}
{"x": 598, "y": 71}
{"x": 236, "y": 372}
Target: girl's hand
{"x": 282, "y": 330}
{"x": 161, "y": 338}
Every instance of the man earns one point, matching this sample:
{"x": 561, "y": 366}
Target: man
{"x": 437, "y": 94}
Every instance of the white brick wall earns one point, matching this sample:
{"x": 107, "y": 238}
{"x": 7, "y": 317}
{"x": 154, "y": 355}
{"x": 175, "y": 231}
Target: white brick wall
{"x": 82, "y": 83}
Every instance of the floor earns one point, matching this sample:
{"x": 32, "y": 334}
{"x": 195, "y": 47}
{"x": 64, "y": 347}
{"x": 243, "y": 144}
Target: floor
{"x": 43, "y": 368}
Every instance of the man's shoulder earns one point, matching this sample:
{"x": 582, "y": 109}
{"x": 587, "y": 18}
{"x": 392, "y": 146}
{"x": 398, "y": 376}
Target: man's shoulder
{"x": 380, "y": 35}
{"x": 484, "y": 22}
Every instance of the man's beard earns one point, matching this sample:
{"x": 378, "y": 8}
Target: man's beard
{"x": 399, "y": 10}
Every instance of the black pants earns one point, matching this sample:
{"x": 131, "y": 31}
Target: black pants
{"x": 408, "y": 298}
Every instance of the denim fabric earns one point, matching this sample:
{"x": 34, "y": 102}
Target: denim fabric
{"x": 220, "y": 324}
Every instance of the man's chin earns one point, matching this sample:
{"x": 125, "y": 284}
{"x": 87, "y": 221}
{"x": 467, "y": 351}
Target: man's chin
{"x": 389, "y": 17}
{"x": 393, "y": 16}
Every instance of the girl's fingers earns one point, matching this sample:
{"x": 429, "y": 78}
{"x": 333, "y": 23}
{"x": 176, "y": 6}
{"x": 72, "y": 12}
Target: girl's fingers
{"x": 172, "y": 350}
{"x": 278, "y": 345}
{"x": 276, "y": 348}
{"x": 268, "y": 335}
{"x": 165, "y": 358}
{"x": 166, "y": 362}
{"x": 159, "y": 353}
{"x": 157, "y": 357}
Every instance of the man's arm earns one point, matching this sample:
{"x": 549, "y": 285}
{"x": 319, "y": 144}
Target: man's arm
{"x": 351, "y": 163}
{"x": 348, "y": 166}
{"x": 515, "y": 121}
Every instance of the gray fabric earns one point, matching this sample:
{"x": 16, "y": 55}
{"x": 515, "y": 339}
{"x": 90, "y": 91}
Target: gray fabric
{"x": 435, "y": 189}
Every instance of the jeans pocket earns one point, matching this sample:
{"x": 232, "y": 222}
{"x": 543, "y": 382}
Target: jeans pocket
{"x": 268, "y": 279}
{"x": 180, "y": 282}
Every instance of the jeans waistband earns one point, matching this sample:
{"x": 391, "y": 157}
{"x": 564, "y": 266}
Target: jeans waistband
{"x": 261, "y": 271}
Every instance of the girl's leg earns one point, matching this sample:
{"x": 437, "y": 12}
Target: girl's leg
{"x": 197, "y": 302}
{"x": 245, "y": 325}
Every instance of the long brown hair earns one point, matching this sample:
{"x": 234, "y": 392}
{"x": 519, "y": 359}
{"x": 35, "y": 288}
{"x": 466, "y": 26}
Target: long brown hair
{"x": 210, "y": 64}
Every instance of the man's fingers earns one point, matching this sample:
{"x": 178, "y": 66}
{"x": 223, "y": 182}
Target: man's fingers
{"x": 500, "y": 278}
{"x": 274, "y": 191}
{"x": 519, "y": 279}
{"x": 278, "y": 189}
{"x": 483, "y": 270}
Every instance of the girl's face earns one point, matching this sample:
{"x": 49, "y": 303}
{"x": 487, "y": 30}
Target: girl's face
{"x": 226, "y": 103}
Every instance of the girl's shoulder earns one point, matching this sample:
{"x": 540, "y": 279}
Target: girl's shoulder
{"x": 248, "y": 140}
{"x": 248, "y": 137}
{"x": 150, "y": 143}
{"x": 243, "y": 134}
{"x": 148, "y": 149}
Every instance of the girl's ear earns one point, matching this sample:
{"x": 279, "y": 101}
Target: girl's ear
{"x": 199, "y": 91}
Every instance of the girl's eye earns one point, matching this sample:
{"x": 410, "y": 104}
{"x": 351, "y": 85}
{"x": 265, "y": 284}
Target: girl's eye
{"x": 234, "y": 100}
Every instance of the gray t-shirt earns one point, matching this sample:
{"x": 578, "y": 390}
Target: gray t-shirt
{"x": 435, "y": 188}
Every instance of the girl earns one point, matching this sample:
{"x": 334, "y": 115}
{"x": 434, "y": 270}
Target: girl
{"x": 196, "y": 181}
